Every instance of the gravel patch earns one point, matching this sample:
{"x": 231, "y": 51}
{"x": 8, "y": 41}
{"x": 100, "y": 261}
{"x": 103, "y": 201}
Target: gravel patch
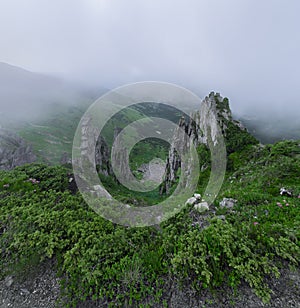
{"x": 41, "y": 290}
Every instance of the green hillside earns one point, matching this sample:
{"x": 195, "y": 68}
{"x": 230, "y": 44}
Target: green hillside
{"x": 42, "y": 217}
{"x": 52, "y": 135}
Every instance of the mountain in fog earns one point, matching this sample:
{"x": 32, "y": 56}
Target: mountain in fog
{"x": 272, "y": 127}
{"x": 50, "y": 103}
{"x": 27, "y": 95}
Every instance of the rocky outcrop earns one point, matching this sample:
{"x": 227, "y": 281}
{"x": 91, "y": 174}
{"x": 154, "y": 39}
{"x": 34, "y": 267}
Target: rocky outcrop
{"x": 285, "y": 192}
{"x": 102, "y": 151}
{"x": 228, "y": 203}
{"x": 199, "y": 204}
{"x": 14, "y": 151}
{"x": 102, "y": 157}
{"x": 201, "y": 207}
{"x": 203, "y": 127}
{"x": 153, "y": 171}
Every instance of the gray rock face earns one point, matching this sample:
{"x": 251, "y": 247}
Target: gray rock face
{"x": 14, "y": 151}
{"x": 102, "y": 157}
{"x": 204, "y": 127}
{"x": 153, "y": 171}
{"x": 90, "y": 136}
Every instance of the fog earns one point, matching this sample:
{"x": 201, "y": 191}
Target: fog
{"x": 27, "y": 96}
{"x": 247, "y": 50}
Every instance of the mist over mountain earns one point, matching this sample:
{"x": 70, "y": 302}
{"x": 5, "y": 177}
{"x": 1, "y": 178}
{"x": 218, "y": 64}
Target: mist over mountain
{"x": 29, "y": 97}
{"x": 203, "y": 213}
{"x": 269, "y": 127}
{"x": 25, "y": 95}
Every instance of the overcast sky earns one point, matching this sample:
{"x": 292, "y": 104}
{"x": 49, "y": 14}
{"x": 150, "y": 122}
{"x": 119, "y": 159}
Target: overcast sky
{"x": 246, "y": 49}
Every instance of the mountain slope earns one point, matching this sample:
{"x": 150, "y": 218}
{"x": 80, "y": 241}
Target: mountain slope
{"x": 43, "y": 110}
{"x": 227, "y": 250}
{"x": 273, "y": 128}
{"x": 24, "y": 95}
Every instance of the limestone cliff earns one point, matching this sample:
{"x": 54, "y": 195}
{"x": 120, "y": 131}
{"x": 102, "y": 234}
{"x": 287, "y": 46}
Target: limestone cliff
{"x": 14, "y": 151}
{"x": 204, "y": 126}
{"x": 102, "y": 151}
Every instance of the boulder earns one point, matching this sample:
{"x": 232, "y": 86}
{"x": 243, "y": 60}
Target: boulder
{"x": 285, "y": 192}
{"x": 197, "y": 196}
{"x": 228, "y": 203}
{"x": 191, "y": 201}
{"x": 9, "y": 281}
{"x": 201, "y": 207}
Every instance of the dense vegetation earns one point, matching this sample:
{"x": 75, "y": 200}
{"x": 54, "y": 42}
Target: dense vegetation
{"x": 52, "y": 135}
{"x": 142, "y": 152}
{"x": 41, "y": 218}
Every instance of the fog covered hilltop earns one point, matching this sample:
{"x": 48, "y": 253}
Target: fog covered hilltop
{"x": 203, "y": 213}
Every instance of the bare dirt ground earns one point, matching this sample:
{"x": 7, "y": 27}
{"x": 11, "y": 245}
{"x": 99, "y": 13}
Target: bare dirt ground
{"x": 42, "y": 290}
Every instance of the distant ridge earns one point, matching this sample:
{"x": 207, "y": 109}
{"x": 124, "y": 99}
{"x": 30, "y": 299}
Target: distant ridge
{"x": 24, "y": 94}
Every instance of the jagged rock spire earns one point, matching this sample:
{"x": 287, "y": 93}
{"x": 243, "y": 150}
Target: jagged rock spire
{"x": 203, "y": 127}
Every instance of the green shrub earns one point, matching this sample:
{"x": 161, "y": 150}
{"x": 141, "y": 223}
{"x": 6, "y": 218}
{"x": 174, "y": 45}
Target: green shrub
{"x": 129, "y": 266}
